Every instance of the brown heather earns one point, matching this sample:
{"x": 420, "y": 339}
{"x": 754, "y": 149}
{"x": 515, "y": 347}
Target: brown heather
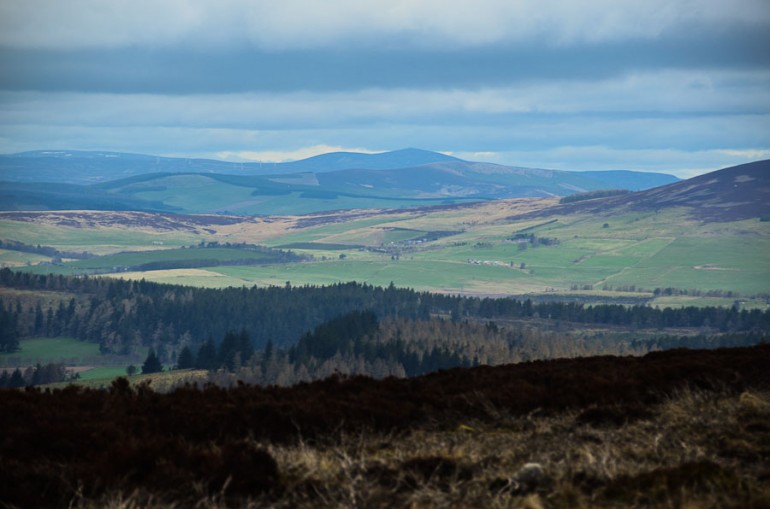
{"x": 698, "y": 438}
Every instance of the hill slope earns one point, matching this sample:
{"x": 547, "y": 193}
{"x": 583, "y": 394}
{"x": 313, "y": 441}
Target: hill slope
{"x": 86, "y": 167}
{"x": 201, "y": 186}
{"x": 672, "y": 429}
{"x": 77, "y": 167}
{"x": 731, "y": 194}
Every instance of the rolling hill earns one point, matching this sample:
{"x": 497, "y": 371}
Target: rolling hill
{"x": 682, "y": 236}
{"x": 731, "y": 194}
{"x": 88, "y": 167}
{"x": 326, "y": 182}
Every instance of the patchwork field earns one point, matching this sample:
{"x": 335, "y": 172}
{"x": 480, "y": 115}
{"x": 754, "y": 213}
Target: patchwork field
{"x": 493, "y": 248}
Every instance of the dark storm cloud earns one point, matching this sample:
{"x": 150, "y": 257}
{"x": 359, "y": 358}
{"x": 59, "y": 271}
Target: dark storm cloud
{"x": 176, "y": 71}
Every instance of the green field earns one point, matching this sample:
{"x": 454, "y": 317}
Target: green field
{"x": 93, "y": 240}
{"x": 46, "y": 350}
{"x": 10, "y": 258}
{"x": 202, "y": 194}
{"x": 643, "y": 250}
{"x": 102, "y": 374}
{"x": 123, "y": 261}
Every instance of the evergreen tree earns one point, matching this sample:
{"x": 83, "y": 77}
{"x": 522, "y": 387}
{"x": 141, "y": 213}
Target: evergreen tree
{"x": 245, "y": 348}
{"x": 227, "y": 350}
{"x": 207, "y": 356}
{"x": 152, "y": 363}
{"x": 267, "y": 355}
{"x": 39, "y": 320}
{"x": 9, "y": 336}
{"x": 185, "y": 360}
{"x": 16, "y": 380}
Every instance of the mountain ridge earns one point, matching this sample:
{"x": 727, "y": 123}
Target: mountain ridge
{"x": 150, "y": 183}
{"x": 88, "y": 167}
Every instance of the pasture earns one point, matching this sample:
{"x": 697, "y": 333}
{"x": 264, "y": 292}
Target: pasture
{"x": 645, "y": 250}
{"x": 100, "y": 240}
{"x": 65, "y": 350}
{"x": 125, "y": 261}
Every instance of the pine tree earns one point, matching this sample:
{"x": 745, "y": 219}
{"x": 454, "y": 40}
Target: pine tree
{"x": 9, "y": 337}
{"x": 16, "y": 380}
{"x": 245, "y": 348}
{"x": 207, "y": 356}
{"x": 152, "y": 363}
{"x": 227, "y": 350}
{"x": 185, "y": 360}
{"x": 267, "y": 355}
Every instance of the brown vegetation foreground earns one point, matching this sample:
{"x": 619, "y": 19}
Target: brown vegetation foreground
{"x": 671, "y": 429}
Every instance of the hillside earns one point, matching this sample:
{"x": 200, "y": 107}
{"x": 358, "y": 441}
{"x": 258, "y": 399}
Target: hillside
{"x": 620, "y": 247}
{"x": 731, "y": 194}
{"x": 400, "y": 179}
{"x": 60, "y": 196}
{"x": 333, "y": 161}
{"x": 672, "y": 429}
{"x": 87, "y": 167}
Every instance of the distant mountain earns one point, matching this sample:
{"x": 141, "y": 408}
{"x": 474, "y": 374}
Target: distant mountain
{"x": 731, "y": 194}
{"x": 631, "y": 180}
{"x": 78, "y": 167}
{"x": 403, "y": 178}
{"x": 404, "y": 158}
{"x": 26, "y": 196}
{"x": 453, "y": 179}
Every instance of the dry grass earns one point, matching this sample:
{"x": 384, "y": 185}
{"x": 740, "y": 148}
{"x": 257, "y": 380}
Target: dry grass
{"x": 696, "y": 450}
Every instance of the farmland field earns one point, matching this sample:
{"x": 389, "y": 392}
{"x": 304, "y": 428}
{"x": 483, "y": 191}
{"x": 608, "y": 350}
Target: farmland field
{"x": 207, "y": 194}
{"x": 469, "y": 249}
{"x": 94, "y": 240}
{"x": 45, "y": 350}
{"x": 121, "y": 261}
{"x": 16, "y": 259}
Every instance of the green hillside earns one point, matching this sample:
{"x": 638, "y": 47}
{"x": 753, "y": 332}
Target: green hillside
{"x": 168, "y": 259}
{"x": 478, "y": 249}
{"x": 706, "y": 238}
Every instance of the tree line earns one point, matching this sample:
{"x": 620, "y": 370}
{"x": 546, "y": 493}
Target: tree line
{"x": 359, "y": 344}
{"x": 123, "y": 316}
{"x": 52, "y": 252}
{"x": 38, "y": 374}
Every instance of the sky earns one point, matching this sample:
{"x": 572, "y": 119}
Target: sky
{"x": 676, "y": 86}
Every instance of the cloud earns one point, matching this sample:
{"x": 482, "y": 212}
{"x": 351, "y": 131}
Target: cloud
{"x": 749, "y": 155}
{"x": 297, "y": 24}
{"x": 507, "y": 80}
{"x": 682, "y": 163}
{"x": 669, "y": 96}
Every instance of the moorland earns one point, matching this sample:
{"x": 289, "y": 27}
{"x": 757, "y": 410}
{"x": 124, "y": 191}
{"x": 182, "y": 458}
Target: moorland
{"x": 671, "y": 429}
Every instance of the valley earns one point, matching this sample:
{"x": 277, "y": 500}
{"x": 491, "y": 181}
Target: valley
{"x": 418, "y": 254}
{"x": 665, "y": 247}
{"x": 346, "y": 292}
{"x": 470, "y": 250}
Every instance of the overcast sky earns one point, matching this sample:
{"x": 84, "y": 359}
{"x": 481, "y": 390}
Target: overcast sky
{"x": 679, "y": 86}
